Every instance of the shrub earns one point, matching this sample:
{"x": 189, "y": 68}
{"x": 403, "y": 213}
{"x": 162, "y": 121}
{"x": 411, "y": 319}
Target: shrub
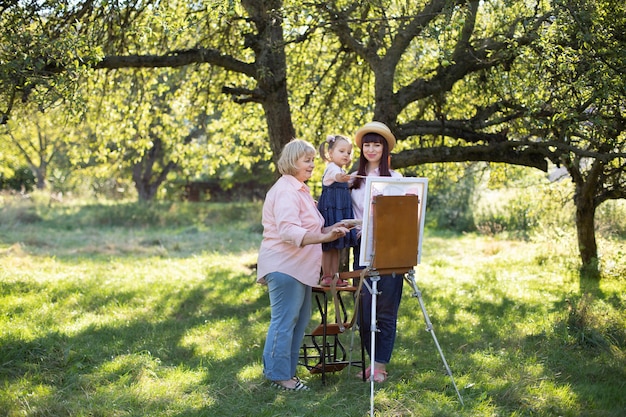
{"x": 22, "y": 180}
{"x": 592, "y": 323}
{"x": 611, "y": 218}
{"x": 450, "y": 200}
{"x": 17, "y": 212}
{"x": 521, "y": 210}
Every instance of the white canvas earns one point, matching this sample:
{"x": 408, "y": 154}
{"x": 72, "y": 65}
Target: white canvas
{"x": 375, "y": 186}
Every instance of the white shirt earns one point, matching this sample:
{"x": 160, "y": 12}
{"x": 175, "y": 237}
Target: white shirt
{"x": 332, "y": 169}
{"x": 358, "y": 194}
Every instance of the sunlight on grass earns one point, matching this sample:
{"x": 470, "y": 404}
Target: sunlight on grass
{"x": 141, "y": 378}
{"x": 250, "y": 372}
{"x": 216, "y": 340}
{"x": 38, "y": 398}
{"x": 547, "y": 395}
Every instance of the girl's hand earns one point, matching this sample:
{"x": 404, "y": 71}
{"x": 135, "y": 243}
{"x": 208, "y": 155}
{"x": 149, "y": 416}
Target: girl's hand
{"x": 343, "y": 177}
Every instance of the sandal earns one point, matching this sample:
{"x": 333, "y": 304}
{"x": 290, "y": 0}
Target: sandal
{"x": 298, "y": 387}
{"x": 379, "y": 375}
{"x": 367, "y": 373}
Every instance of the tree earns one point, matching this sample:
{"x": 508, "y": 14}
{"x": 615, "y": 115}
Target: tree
{"x": 43, "y": 53}
{"x": 446, "y": 75}
{"x": 151, "y": 129}
{"x": 262, "y": 32}
{"x": 583, "y": 117}
{"x": 445, "y": 102}
{"x": 41, "y": 140}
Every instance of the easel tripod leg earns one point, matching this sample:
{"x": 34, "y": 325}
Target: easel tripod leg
{"x": 373, "y": 330}
{"x": 429, "y": 328}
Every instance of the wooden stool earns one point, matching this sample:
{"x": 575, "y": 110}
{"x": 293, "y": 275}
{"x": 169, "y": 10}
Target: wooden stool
{"x": 322, "y": 350}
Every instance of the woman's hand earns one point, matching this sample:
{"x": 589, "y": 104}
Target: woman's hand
{"x": 336, "y": 232}
{"x": 328, "y": 234}
{"x": 349, "y": 223}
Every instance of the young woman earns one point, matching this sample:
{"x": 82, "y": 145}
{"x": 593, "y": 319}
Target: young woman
{"x": 335, "y": 203}
{"x": 376, "y": 141}
{"x": 290, "y": 260}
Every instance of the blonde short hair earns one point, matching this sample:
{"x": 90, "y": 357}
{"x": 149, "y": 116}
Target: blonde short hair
{"x": 293, "y": 151}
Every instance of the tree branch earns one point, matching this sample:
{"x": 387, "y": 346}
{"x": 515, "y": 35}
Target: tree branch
{"x": 505, "y": 152}
{"x": 178, "y": 59}
{"x": 245, "y": 95}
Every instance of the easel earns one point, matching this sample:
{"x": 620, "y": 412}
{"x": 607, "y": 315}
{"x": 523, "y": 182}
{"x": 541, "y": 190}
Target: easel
{"x": 396, "y": 228}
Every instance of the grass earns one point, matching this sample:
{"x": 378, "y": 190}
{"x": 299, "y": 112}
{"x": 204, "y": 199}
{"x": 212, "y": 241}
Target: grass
{"x": 131, "y": 310}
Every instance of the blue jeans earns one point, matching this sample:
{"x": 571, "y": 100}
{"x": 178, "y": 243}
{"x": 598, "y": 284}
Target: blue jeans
{"x": 290, "y": 302}
{"x": 387, "y": 305}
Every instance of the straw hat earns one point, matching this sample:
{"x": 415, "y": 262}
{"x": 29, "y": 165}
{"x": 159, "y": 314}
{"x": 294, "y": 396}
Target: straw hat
{"x": 376, "y": 127}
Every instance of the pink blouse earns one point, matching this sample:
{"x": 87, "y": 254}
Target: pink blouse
{"x": 289, "y": 212}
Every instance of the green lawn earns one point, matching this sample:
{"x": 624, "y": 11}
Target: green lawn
{"x": 135, "y": 311}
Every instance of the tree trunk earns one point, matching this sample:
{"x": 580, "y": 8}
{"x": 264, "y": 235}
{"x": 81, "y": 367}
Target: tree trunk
{"x": 146, "y": 190}
{"x": 147, "y": 181}
{"x": 585, "y": 229}
{"x": 279, "y": 124}
{"x": 271, "y": 71}
{"x": 41, "y": 174}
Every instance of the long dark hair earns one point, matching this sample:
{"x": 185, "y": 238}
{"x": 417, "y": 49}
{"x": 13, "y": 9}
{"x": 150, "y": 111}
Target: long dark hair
{"x": 384, "y": 168}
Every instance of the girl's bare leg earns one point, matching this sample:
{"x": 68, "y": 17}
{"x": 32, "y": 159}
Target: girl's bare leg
{"x": 327, "y": 263}
{"x": 330, "y": 266}
{"x": 333, "y": 261}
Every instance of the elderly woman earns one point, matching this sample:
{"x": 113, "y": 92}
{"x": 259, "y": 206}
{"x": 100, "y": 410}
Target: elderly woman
{"x": 289, "y": 261}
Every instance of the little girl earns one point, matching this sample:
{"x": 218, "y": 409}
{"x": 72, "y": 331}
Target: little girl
{"x": 335, "y": 203}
